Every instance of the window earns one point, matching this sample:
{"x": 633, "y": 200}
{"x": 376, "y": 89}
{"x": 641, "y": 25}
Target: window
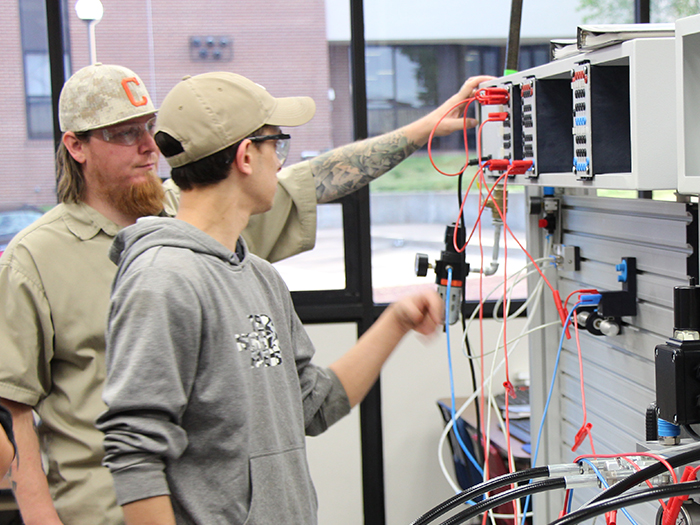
{"x": 37, "y": 84}
{"x": 412, "y": 205}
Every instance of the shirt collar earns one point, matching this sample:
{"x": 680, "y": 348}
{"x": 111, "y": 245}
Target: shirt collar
{"x": 85, "y": 222}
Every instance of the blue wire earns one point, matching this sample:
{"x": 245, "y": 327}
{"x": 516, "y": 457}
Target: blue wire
{"x": 605, "y": 484}
{"x": 551, "y": 389}
{"x": 452, "y": 385}
{"x": 551, "y": 385}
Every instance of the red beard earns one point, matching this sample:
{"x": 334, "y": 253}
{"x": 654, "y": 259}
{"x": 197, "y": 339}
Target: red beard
{"x": 139, "y": 200}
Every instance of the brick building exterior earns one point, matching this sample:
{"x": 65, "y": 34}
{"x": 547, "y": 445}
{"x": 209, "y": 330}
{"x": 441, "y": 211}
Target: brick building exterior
{"x": 281, "y": 45}
{"x": 292, "y": 48}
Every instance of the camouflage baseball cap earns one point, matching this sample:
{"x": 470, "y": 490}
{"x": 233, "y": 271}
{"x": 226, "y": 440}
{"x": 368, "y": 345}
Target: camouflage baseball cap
{"x": 210, "y": 112}
{"x": 101, "y": 95}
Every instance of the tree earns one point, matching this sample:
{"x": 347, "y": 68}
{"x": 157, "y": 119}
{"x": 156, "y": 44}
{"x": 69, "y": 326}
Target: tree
{"x": 622, "y": 11}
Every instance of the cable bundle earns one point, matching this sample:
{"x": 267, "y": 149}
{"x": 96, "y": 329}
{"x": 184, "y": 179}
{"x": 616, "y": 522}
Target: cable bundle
{"x": 612, "y": 498}
{"x": 609, "y": 500}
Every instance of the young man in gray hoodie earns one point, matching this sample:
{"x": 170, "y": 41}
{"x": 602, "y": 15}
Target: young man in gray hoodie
{"x": 210, "y": 388}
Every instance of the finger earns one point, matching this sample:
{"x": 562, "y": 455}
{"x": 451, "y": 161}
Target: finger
{"x": 432, "y": 310}
{"x": 437, "y": 308}
{"x": 411, "y": 311}
{"x": 472, "y": 83}
{"x": 471, "y": 122}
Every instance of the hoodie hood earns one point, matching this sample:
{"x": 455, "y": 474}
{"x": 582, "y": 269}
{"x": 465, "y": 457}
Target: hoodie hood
{"x": 163, "y": 232}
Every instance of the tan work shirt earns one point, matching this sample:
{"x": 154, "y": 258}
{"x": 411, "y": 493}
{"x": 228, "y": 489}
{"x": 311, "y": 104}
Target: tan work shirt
{"x": 55, "y": 279}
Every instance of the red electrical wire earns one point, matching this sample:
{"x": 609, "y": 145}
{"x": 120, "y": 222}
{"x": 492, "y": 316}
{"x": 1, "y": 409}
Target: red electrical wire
{"x": 557, "y": 299}
{"x": 502, "y": 213}
{"x": 506, "y": 227}
{"x": 567, "y": 496}
{"x": 638, "y": 468}
{"x": 466, "y": 147}
{"x": 585, "y": 430}
{"x": 510, "y": 391}
{"x": 507, "y": 384}
{"x": 487, "y": 448}
{"x": 482, "y": 207}
{"x": 671, "y": 511}
{"x": 611, "y": 517}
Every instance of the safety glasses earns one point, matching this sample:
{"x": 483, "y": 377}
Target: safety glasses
{"x": 281, "y": 144}
{"x": 128, "y": 134}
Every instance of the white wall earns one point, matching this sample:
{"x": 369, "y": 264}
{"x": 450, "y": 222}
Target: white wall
{"x": 449, "y": 20}
{"x": 413, "y": 379}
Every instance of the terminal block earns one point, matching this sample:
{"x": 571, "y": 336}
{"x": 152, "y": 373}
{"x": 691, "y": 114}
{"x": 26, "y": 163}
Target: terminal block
{"x": 528, "y": 100}
{"x": 586, "y": 120}
{"x": 581, "y": 99}
{"x": 503, "y": 100}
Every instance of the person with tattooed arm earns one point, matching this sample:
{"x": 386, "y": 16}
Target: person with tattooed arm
{"x": 211, "y": 386}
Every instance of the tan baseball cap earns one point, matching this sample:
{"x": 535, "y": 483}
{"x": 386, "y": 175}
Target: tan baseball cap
{"x": 101, "y": 95}
{"x": 210, "y": 112}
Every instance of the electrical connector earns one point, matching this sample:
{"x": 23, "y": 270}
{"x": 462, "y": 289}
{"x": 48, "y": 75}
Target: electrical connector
{"x": 518, "y": 167}
{"x": 499, "y": 116}
{"x": 590, "y": 299}
{"x": 581, "y": 435}
{"x": 497, "y": 164}
{"x": 492, "y": 96}
{"x": 580, "y": 75}
{"x": 582, "y": 165}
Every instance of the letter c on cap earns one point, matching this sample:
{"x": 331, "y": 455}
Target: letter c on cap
{"x": 127, "y": 89}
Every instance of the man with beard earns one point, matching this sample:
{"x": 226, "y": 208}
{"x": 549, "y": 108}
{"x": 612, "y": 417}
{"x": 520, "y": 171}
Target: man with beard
{"x": 55, "y": 275}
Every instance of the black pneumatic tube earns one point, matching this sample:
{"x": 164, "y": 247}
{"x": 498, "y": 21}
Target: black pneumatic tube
{"x": 478, "y": 490}
{"x": 590, "y": 511}
{"x": 506, "y": 497}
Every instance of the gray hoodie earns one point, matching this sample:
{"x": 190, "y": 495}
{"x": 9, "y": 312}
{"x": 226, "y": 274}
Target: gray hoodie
{"x": 210, "y": 388}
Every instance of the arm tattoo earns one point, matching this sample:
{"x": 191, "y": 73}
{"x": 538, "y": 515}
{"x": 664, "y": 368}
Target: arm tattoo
{"x": 346, "y": 169}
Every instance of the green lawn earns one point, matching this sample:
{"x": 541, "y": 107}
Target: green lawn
{"x": 417, "y": 174}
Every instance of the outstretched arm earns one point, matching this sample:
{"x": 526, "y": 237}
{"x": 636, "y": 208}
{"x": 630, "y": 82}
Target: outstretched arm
{"x": 346, "y": 169}
{"x": 359, "y": 368}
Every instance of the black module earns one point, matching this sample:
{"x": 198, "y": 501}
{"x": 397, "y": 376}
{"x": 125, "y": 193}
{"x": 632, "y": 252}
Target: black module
{"x": 678, "y": 362}
{"x": 677, "y": 384}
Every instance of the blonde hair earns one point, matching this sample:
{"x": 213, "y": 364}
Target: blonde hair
{"x": 70, "y": 182}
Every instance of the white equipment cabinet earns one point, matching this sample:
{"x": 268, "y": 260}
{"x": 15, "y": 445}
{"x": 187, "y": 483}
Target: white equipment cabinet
{"x": 688, "y": 103}
{"x": 601, "y": 119}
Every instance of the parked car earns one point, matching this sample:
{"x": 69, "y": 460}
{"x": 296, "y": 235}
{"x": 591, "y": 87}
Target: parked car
{"x": 13, "y": 219}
